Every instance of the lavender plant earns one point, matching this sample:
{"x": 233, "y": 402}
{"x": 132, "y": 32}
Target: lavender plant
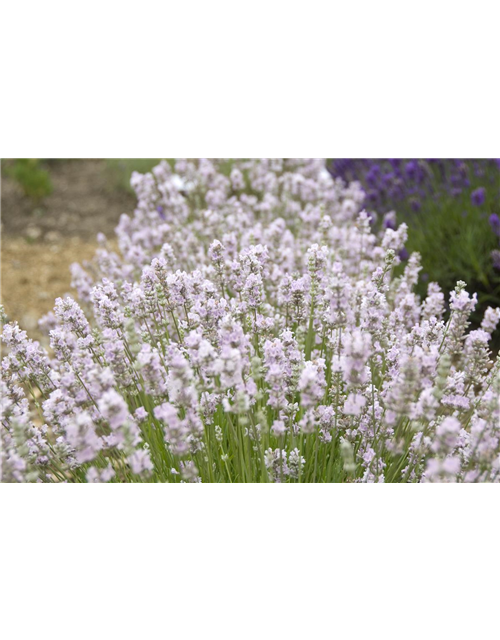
{"x": 253, "y": 328}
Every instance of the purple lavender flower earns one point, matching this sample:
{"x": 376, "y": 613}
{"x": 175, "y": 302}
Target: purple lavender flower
{"x": 495, "y": 224}
{"x": 411, "y": 169}
{"x": 478, "y": 196}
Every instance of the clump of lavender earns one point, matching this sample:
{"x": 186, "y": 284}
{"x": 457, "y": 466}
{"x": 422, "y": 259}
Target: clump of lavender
{"x": 407, "y": 184}
{"x": 253, "y": 329}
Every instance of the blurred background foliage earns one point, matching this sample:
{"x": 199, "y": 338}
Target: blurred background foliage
{"x": 32, "y": 176}
{"x": 121, "y": 169}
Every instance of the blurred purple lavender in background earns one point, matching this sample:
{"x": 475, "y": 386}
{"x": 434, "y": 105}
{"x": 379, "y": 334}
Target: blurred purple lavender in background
{"x": 478, "y": 196}
{"x": 406, "y": 186}
{"x": 495, "y": 224}
{"x": 391, "y": 182}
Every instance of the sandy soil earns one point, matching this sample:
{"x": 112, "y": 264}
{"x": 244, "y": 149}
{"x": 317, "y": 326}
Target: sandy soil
{"x": 39, "y": 242}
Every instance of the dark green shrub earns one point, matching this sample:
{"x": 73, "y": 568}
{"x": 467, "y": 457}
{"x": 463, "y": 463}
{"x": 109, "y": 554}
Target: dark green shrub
{"x": 32, "y": 177}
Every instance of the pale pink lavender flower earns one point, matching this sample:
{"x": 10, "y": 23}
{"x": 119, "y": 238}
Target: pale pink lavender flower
{"x": 140, "y": 462}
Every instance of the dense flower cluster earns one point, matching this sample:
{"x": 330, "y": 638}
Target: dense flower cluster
{"x": 254, "y": 328}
